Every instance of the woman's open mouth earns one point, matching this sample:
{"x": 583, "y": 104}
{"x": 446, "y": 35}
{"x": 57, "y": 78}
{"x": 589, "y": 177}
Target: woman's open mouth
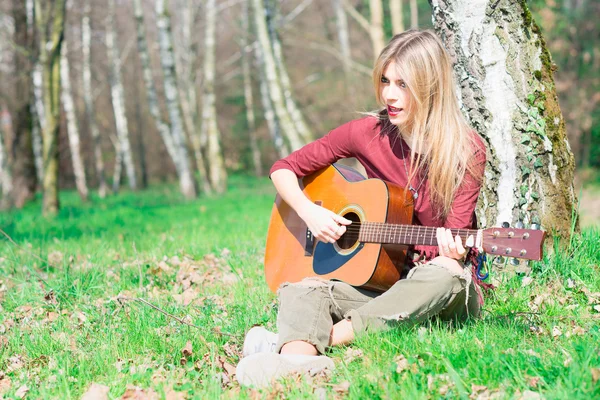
{"x": 393, "y": 111}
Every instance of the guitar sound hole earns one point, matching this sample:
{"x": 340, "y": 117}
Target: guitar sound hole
{"x": 348, "y": 239}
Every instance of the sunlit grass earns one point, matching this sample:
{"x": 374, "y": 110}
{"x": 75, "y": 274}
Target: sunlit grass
{"x": 69, "y": 315}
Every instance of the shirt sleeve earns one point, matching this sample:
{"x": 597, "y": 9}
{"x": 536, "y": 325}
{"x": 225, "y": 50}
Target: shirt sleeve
{"x": 338, "y": 143}
{"x": 463, "y": 207}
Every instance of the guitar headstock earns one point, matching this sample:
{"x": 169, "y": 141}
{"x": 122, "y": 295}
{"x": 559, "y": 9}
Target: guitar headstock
{"x": 513, "y": 242}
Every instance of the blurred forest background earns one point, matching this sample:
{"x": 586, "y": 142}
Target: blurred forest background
{"x": 156, "y": 91}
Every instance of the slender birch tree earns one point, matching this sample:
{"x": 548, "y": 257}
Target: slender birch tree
{"x": 248, "y": 97}
{"x": 37, "y": 116}
{"x": 124, "y": 155}
{"x": 414, "y": 14}
{"x": 341, "y": 23}
{"x": 167, "y": 60}
{"x": 290, "y": 104}
{"x": 397, "y": 16}
{"x": 86, "y": 36}
{"x": 217, "y": 172}
{"x": 274, "y": 85}
{"x": 508, "y": 93}
{"x": 269, "y": 111}
{"x": 23, "y": 164}
{"x": 5, "y": 176}
{"x": 50, "y": 21}
{"x": 374, "y": 27}
{"x": 72, "y": 125}
{"x": 163, "y": 127}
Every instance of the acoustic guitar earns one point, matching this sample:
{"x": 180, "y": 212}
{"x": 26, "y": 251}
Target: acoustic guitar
{"x": 372, "y": 252}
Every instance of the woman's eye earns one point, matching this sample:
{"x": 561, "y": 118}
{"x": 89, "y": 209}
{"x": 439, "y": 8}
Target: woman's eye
{"x": 402, "y": 85}
{"x": 384, "y": 80}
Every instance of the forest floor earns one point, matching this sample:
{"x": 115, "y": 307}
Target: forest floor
{"x": 78, "y": 297}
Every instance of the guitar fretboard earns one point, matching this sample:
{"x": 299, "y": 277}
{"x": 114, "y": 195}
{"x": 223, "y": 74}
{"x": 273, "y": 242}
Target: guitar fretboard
{"x": 378, "y": 232}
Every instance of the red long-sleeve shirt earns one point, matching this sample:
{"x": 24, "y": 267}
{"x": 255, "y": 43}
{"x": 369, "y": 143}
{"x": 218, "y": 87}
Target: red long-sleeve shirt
{"x": 382, "y": 157}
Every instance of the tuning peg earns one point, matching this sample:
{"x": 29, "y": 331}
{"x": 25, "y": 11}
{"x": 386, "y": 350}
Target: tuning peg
{"x": 535, "y": 226}
{"x": 515, "y": 261}
{"x": 519, "y": 225}
{"x": 505, "y": 224}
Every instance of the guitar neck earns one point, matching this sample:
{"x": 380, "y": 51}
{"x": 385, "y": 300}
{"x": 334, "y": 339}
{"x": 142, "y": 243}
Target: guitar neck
{"x": 377, "y": 232}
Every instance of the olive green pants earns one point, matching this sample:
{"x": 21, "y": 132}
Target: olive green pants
{"x": 309, "y": 309}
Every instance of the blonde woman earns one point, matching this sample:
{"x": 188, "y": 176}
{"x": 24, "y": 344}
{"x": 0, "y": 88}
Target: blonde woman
{"x": 419, "y": 140}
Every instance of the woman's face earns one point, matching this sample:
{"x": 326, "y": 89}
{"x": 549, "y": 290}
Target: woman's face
{"x": 396, "y": 96}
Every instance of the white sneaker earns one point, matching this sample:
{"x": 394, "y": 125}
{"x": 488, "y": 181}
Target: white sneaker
{"x": 259, "y": 340}
{"x": 260, "y": 369}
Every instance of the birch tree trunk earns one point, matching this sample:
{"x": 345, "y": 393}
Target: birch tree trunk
{"x": 189, "y": 98}
{"x": 50, "y": 21}
{"x": 23, "y": 168}
{"x": 269, "y": 110}
{"x": 376, "y": 32}
{"x": 248, "y": 97}
{"x": 290, "y": 104}
{"x": 86, "y": 36}
{"x": 72, "y": 127}
{"x": 167, "y": 59}
{"x": 374, "y": 27}
{"x": 161, "y": 125}
{"x": 5, "y": 176}
{"x": 508, "y": 93}
{"x": 341, "y": 23}
{"x": 274, "y": 85}
{"x": 414, "y": 14}
{"x": 37, "y": 115}
{"x": 397, "y": 17}
{"x": 218, "y": 175}
{"x": 124, "y": 154}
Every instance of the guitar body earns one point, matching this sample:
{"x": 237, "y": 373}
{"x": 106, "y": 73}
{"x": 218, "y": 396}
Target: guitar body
{"x": 292, "y": 254}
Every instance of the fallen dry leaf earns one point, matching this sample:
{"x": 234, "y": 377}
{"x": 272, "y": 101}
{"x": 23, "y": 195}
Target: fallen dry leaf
{"x": 533, "y": 380}
{"x": 529, "y": 395}
{"x": 401, "y": 363}
{"x": 342, "y": 388}
{"x": 556, "y": 332}
{"x": 352, "y": 354}
{"x": 173, "y": 395}
{"x": 187, "y": 350}
{"x": 55, "y": 259}
{"x": 526, "y": 281}
{"x": 5, "y": 383}
{"x": 21, "y": 392}
{"x": 595, "y": 374}
{"x": 136, "y": 393}
{"x": 96, "y": 391}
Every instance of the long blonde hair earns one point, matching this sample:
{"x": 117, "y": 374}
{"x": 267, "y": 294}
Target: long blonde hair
{"x": 441, "y": 141}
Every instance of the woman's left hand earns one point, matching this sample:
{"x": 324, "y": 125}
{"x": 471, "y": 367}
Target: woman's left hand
{"x": 449, "y": 246}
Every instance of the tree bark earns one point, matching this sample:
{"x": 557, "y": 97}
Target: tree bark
{"x": 124, "y": 154}
{"x": 290, "y": 104}
{"x": 341, "y": 23}
{"x": 37, "y": 115}
{"x": 50, "y": 21}
{"x": 86, "y": 36}
{"x": 23, "y": 168}
{"x": 269, "y": 110}
{"x": 374, "y": 27}
{"x": 248, "y": 97}
{"x": 414, "y": 14}
{"x": 167, "y": 59}
{"x": 218, "y": 174}
{"x": 72, "y": 126}
{"x": 397, "y": 17}
{"x": 5, "y": 176}
{"x": 274, "y": 85}
{"x": 508, "y": 93}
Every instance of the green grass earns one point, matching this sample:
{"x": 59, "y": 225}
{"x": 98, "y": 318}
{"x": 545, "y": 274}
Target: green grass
{"x": 66, "y": 321}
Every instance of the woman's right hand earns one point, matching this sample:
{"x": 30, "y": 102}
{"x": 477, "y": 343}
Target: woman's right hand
{"x": 324, "y": 224}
